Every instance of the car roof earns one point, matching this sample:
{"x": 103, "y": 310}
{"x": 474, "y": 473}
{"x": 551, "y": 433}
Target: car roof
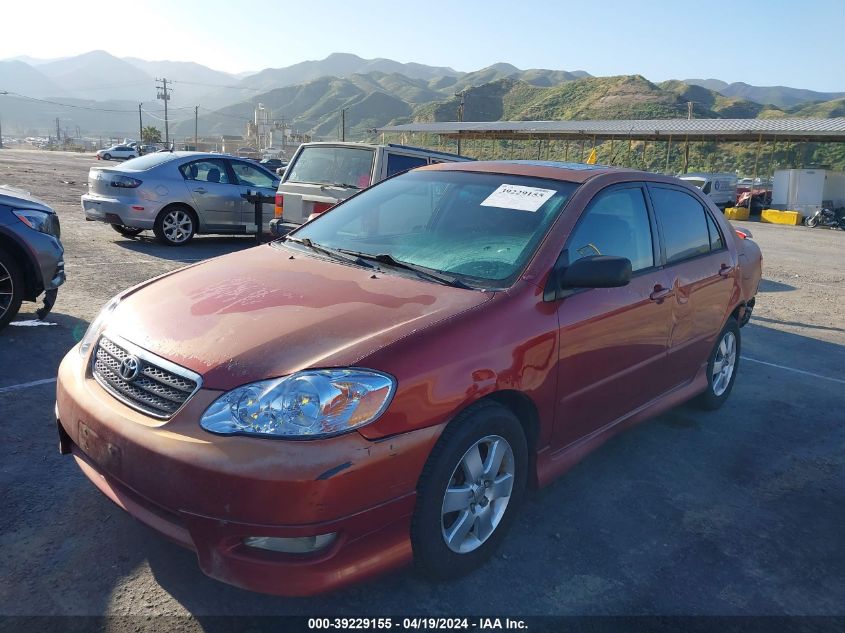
{"x": 553, "y": 170}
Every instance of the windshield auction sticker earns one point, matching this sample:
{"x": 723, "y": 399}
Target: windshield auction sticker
{"x": 517, "y": 197}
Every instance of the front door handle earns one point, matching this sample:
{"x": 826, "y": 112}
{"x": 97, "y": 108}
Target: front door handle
{"x": 725, "y": 270}
{"x": 660, "y": 293}
{"x": 200, "y": 190}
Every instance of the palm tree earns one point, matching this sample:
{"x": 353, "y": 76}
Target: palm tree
{"x": 151, "y": 135}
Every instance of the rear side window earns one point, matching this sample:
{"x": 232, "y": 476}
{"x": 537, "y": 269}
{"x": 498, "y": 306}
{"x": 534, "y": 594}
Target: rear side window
{"x": 250, "y": 176}
{"x": 209, "y": 170}
{"x": 397, "y": 163}
{"x": 716, "y": 241}
{"x": 615, "y": 223}
{"x": 683, "y": 221}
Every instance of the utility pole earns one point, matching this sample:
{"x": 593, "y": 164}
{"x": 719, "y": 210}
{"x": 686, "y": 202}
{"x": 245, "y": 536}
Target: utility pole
{"x": 58, "y": 131}
{"x": 689, "y": 109}
{"x": 196, "y": 118}
{"x": 343, "y": 124}
{"x": 140, "y": 125}
{"x": 164, "y": 95}
{"x": 462, "y": 95}
{"x": 1, "y": 134}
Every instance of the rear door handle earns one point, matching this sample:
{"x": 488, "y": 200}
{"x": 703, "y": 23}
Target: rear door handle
{"x": 660, "y": 293}
{"x": 725, "y": 270}
{"x": 200, "y": 190}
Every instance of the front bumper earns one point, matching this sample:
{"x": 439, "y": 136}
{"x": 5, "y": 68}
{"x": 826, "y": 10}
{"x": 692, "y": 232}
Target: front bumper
{"x": 209, "y": 492}
{"x": 116, "y": 211}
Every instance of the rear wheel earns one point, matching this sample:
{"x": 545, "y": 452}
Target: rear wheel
{"x": 721, "y": 368}
{"x": 106, "y": 156}
{"x": 469, "y": 491}
{"x": 127, "y": 231}
{"x": 175, "y": 226}
{"x": 11, "y": 288}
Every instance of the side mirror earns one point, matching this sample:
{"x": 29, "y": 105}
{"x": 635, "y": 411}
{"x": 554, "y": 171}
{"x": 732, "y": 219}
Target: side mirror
{"x": 596, "y": 271}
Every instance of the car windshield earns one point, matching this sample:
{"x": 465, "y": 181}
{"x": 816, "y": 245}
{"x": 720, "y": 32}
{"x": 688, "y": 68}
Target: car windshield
{"x": 479, "y": 228}
{"x": 332, "y": 165}
{"x": 147, "y": 161}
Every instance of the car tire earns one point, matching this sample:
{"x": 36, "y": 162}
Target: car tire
{"x": 11, "y": 288}
{"x": 451, "y": 543}
{"x": 106, "y": 156}
{"x": 175, "y": 226}
{"x": 127, "y": 231}
{"x": 722, "y": 368}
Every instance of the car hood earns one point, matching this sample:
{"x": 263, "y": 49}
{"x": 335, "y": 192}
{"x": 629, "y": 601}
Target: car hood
{"x": 270, "y": 311}
{"x": 21, "y": 199}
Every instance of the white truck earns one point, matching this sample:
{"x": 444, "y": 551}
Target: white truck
{"x": 808, "y": 190}
{"x": 721, "y": 187}
{"x": 322, "y": 174}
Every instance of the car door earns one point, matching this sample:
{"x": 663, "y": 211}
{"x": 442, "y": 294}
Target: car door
{"x": 251, "y": 178}
{"x": 216, "y": 198}
{"x": 701, "y": 274}
{"x": 613, "y": 341}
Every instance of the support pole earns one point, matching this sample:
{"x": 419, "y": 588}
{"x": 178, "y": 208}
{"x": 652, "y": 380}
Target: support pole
{"x": 581, "y": 159}
{"x": 566, "y": 151}
{"x": 628, "y": 157}
{"x": 668, "y": 148}
{"x": 645, "y": 149}
{"x": 612, "y": 139}
{"x": 686, "y": 154}
{"x": 140, "y": 125}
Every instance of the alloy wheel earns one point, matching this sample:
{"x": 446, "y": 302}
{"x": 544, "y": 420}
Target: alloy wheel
{"x": 724, "y": 363}
{"x": 7, "y": 290}
{"x": 177, "y": 226}
{"x": 477, "y": 494}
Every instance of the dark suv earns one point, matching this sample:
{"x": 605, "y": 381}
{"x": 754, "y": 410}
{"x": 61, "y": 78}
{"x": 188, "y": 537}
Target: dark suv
{"x": 31, "y": 255}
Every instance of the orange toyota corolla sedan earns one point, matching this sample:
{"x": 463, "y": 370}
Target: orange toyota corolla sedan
{"x": 382, "y": 385}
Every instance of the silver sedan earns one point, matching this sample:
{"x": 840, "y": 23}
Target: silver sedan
{"x": 179, "y": 194}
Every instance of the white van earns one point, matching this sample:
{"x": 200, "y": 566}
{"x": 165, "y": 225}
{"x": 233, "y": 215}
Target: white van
{"x": 322, "y": 174}
{"x": 720, "y": 187}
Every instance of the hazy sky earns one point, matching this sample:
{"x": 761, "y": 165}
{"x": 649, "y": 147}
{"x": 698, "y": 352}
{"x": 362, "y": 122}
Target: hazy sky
{"x": 787, "y": 42}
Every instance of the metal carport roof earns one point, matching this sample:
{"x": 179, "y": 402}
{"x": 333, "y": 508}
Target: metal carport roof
{"x": 796, "y": 130}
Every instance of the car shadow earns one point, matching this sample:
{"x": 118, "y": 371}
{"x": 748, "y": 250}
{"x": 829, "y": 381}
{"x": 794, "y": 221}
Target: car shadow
{"x": 809, "y": 326}
{"x": 767, "y": 285}
{"x": 201, "y": 247}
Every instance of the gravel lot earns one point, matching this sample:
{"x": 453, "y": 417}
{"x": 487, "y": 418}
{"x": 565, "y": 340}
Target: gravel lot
{"x": 735, "y": 512}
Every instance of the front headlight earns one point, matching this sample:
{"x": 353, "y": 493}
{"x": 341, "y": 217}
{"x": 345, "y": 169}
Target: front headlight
{"x": 37, "y": 220}
{"x": 97, "y": 325}
{"x": 307, "y": 404}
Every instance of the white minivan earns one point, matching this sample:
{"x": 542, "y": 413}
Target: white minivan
{"x": 322, "y": 174}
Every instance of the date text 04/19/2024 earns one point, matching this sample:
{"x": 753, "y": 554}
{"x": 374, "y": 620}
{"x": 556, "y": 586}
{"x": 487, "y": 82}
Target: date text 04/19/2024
{"x": 416, "y": 624}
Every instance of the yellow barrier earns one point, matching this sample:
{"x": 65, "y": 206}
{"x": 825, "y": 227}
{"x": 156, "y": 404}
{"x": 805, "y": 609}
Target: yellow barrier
{"x": 776, "y": 216}
{"x": 736, "y": 213}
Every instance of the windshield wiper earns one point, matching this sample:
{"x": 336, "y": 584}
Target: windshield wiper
{"x": 339, "y": 184}
{"x": 389, "y": 260}
{"x": 353, "y": 258}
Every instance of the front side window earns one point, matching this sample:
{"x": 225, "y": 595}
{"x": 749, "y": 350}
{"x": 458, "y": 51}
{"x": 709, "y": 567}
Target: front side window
{"x": 340, "y": 166}
{"x": 481, "y": 228}
{"x": 683, "y": 222}
{"x": 615, "y": 223}
{"x": 250, "y": 176}
{"x": 209, "y": 170}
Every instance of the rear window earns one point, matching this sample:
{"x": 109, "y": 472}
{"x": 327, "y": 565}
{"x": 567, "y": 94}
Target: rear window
{"x": 142, "y": 163}
{"x": 327, "y": 165}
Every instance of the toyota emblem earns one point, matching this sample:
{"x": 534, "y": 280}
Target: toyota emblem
{"x": 129, "y": 369}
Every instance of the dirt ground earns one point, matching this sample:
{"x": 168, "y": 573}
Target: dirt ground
{"x": 740, "y": 511}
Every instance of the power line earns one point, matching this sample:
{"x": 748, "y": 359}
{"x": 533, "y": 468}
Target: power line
{"x": 65, "y": 105}
{"x": 197, "y": 83}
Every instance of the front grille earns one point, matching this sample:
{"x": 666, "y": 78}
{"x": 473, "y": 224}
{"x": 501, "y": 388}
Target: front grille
{"x": 159, "y": 388}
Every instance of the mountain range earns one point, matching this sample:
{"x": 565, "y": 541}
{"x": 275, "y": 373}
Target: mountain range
{"x": 104, "y": 92}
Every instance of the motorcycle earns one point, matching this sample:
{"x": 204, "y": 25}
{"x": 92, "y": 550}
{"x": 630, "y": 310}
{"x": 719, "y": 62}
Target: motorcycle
{"x": 827, "y": 217}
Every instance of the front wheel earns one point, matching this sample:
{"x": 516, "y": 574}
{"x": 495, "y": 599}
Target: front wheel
{"x": 721, "y": 368}
{"x": 106, "y": 156}
{"x": 127, "y": 231}
{"x": 11, "y": 288}
{"x": 811, "y": 221}
{"x": 469, "y": 491}
{"x": 175, "y": 226}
